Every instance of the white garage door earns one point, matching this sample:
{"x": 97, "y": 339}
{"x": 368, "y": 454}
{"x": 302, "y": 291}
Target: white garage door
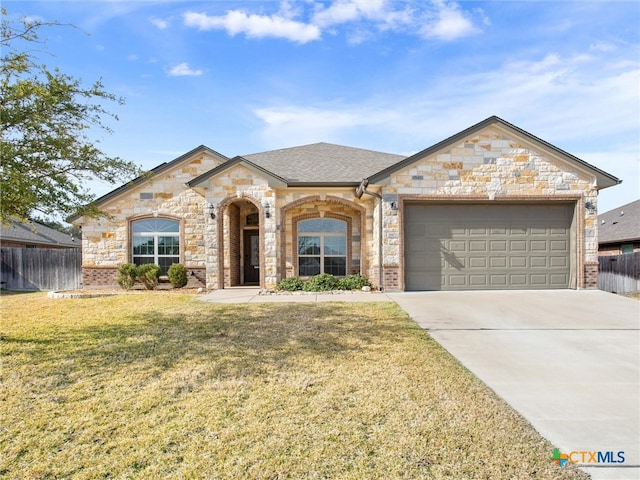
{"x": 487, "y": 246}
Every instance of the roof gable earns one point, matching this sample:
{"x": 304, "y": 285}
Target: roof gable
{"x": 620, "y": 224}
{"x": 603, "y": 178}
{"x": 153, "y": 173}
{"x": 201, "y": 180}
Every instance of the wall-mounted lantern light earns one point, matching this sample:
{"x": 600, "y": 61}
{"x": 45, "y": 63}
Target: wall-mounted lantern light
{"x": 591, "y": 207}
{"x": 266, "y": 206}
{"x": 212, "y": 211}
{"x": 393, "y": 206}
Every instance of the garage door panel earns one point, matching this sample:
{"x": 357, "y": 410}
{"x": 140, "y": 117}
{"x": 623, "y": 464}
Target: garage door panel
{"x": 478, "y": 262}
{"x": 460, "y": 247}
{"x": 559, "y": 246}
{"x": 478, "y": 246}
{"x": 538, "y": 262}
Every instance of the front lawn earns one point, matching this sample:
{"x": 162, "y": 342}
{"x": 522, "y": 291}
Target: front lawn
{"x": 153, "y": 386}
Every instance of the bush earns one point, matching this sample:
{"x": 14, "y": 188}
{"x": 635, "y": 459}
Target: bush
{"x": 177, "y": 274}
{"x": 290, "y": 284}
{"x": 127, "y": 275}
{"x": 149, "y": 274}
{"x": 321, "y": 283}
{"x": 353, "y": 282}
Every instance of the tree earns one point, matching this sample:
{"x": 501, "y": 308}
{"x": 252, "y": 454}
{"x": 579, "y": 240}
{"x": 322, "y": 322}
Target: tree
{"x": 45, "y": 121}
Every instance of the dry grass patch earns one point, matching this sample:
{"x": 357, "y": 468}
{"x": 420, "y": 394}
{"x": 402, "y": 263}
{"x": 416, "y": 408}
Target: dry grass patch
{"x": 169, "y": 387}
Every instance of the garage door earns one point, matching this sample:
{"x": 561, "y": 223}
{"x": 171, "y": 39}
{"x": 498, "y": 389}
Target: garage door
{"x": 475, "y": 247}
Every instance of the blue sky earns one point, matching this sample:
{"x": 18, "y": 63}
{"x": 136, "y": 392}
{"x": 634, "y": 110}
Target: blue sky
{"x": 395, "y": 76}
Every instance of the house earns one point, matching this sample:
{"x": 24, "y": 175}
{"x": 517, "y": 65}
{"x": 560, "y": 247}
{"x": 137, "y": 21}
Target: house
{"x": 619, "y": 230}
{"x": 34, "y": 235}
{"x": 492, "y": 207}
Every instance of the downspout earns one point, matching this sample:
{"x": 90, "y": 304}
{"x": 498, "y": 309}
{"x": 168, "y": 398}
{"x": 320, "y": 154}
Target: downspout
{"x": 362, "y": 188}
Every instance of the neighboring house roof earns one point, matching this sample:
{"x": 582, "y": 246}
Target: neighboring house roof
{"x": 620, "y": 224}
{"x": 32, "y": 233}
{"x": 603, "y": 178}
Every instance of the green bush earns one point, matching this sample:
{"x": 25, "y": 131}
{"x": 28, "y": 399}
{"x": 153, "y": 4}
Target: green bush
{"x": 353, "y": 282}
{"x": 290, "y": 284}
{"x": 321, "y": 283}
{"x": 177, "y": 274}
{"x": 127, "y": 275}
{"x": 149, "y": 274}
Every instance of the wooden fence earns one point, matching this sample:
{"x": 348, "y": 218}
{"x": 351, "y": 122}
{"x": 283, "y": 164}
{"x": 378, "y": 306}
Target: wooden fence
{"x": 619, "y": 273}
{"x": 40, "y": 268}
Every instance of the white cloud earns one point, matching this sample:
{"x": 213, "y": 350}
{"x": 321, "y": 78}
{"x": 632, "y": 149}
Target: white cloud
{"x": 450, "y": 23}
{"x": 254, "y": 26}
{"x": 159, "y": 23}
{"x": 183, "y": 70}
{"x": 571, "y": 102}
{"x": 435, "y": 19}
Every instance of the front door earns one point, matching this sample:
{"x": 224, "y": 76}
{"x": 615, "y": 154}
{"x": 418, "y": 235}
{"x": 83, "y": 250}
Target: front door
{"x": 251, "y": 249}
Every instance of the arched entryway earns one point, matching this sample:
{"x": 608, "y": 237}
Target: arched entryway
{"x": 241, "y": 243}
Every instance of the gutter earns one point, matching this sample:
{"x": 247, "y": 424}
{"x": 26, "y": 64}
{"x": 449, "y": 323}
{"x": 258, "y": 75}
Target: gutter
{"x": 362, "y": 189}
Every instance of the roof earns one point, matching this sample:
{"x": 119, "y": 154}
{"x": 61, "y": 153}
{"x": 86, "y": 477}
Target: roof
{"x": 620, "y": 224}
{"x": 603, "y": 178}
{"x": 323, "y": 163}
{"x": 149, "y": 175}
{"x": 36, "y": 234}
{"x": 327, "y": 164}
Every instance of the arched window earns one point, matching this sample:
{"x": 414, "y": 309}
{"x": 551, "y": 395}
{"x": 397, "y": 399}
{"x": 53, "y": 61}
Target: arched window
{"x": 156, "y": 240}
{"x": 322, "y": 247}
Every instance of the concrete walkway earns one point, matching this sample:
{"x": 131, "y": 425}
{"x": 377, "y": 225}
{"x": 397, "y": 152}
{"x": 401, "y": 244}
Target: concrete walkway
{"x": 568, "y": 361}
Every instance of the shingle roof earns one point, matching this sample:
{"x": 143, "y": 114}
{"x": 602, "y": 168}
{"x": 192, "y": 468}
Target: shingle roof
{"x": 620, "y": 224}
{"x": 37, "y": 234}
{"x": 323, "y": 163}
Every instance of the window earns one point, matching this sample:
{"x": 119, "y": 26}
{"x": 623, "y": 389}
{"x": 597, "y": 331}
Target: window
{"x": 626, "y": 248}
{"x": 322, "y": 247}
{"x": 156, "y": 240}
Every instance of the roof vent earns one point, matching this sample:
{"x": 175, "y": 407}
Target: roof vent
{"x": 621, "y": 212}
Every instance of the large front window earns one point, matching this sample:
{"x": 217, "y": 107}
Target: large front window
{"x": 322, "y": 247}
{"x": 156, "y": 240}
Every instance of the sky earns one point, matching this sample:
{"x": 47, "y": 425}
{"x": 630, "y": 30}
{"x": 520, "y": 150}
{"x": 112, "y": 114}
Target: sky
{"x": 394, "y": 76}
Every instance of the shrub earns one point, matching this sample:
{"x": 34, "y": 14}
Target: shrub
{"x": 177, "y": 274}
{"x": 149, "y": 274}
{"x": 321, "y": 283}
{"x": 290, "y": 284}
{"x": 127, "y": 275}
{"x": 353, "y": 282}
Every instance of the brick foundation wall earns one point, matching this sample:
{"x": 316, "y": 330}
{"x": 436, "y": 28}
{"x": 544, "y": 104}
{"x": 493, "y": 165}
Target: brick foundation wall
{"x": 99, "y": 276}
{"x": 391, "y": 277}
{"x": 591, "y": 275}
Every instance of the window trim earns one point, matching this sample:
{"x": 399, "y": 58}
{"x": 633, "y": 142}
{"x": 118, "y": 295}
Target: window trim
{"x": 180, "y": 235}
{"x": 327, "y": 215}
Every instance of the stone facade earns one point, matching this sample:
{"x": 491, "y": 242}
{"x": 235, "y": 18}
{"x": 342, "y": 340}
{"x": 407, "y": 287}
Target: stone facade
{"x": 490, "y": 166}
{"x": 231, "y": 198}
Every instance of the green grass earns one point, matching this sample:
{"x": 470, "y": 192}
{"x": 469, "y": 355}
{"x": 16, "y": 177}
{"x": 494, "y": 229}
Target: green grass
{"x": 153, "y": 386}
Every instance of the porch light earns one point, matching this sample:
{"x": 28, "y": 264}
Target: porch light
{"x": 266, "y": 206}
{"x": 591, "y": 207}
{"x": 212, "y": 211}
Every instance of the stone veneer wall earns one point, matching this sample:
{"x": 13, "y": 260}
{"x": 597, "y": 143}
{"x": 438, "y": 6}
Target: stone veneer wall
{"x": 105, "y": 241}
{"x": 337, "y": 204}
{"x": 492, "y": 166}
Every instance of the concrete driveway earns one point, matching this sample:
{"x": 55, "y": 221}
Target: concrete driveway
{"x": 568, "y": 361}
